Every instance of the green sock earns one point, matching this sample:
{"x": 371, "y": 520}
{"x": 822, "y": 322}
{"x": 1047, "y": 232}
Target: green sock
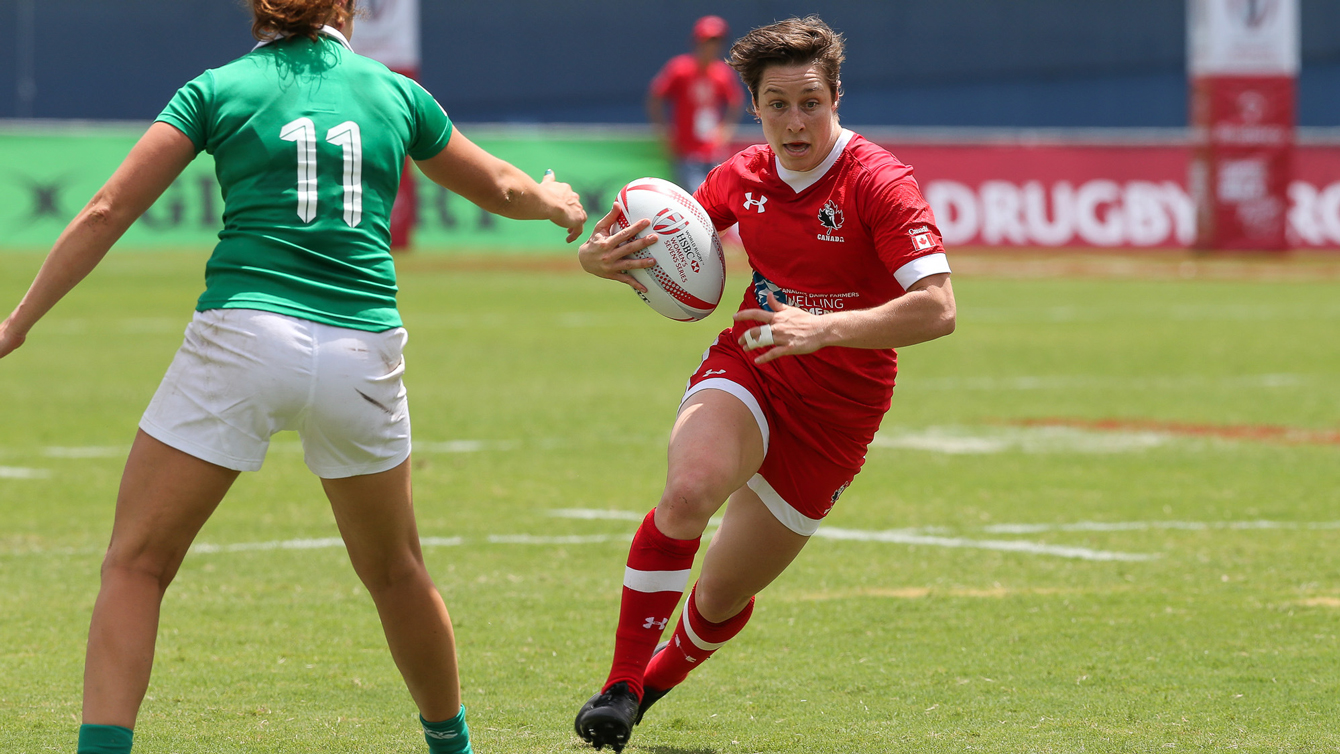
{"x": 105, "y": 739}
{"x": 449, "y": 736}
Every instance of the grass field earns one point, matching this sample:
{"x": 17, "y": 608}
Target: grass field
{"x": 1102, "y": 516}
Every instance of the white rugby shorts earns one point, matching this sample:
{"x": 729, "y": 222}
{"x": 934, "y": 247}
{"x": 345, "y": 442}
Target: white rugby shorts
{"x": 241, "y": 375}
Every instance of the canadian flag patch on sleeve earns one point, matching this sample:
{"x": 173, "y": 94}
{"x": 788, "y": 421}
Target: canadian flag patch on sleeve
{"x": 921, "y": 238}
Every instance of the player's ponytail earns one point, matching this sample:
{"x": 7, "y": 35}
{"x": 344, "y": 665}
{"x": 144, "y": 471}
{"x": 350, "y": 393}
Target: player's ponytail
{"x": 284, "y": 18}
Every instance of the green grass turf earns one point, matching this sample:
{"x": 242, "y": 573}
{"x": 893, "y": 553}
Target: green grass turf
{"x": 1224, "y": 638}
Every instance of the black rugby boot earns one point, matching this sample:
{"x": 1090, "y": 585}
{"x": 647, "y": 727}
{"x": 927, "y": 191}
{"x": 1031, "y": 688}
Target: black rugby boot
{"x": 607, "y": 719}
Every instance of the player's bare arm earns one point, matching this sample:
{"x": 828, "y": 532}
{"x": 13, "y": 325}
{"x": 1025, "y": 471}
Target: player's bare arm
{"x": 730, "y": 122}
{"x": 925, "y": 312}
{"x": 152, "y": 165}
{"x": 655, "y": 106}
{"x": 605, "y": 254}
{"x": 503, "y": 189}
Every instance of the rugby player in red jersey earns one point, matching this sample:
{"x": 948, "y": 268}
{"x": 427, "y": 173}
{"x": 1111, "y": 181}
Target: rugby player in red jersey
{"x": 705, "y": 101}
{"x": 847, "y": 266}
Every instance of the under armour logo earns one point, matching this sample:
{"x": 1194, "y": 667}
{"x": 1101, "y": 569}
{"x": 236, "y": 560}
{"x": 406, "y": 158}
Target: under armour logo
{"x": 680, "y": 647}
{"x": 750, "y": 201}
{"x": 659, "y": 625}
{"x": 711, "y": 372}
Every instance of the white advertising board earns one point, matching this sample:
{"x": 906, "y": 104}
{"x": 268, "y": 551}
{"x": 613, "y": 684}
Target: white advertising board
{"x": 388, "y": 32}
{"x": 1243, "y": 37}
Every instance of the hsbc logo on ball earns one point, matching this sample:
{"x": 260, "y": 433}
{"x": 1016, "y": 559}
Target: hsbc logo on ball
{"x": 668, "y": 222}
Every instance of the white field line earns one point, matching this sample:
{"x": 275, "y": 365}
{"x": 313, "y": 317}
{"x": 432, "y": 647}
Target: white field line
{"x": 1175, "y": 312}
{"x": 1151, "y": 525}
{"x": 92, "y": 451}
{"x": 610, "y": 515}
{"x": 990, "y": 440}
{"x": 278, "y": 446}
{"x": 1033, "y": 548}
{"x": 904, "y": 536}
{"x": 308, "y": 544}
{"x": 576, "y": 539}
{"x": 930, "y": 536}
{"x": 330, "y": 542}
{"x": 443, "y": 446}
{"x": 954, "y": 440}
{"x": 1108, "y": 382}
{"x": 594, "y": 515}
{"x": 948, "y": 439}
{"x": 19, "y": 472}
{"x": 464, "y": 446}
{"x": 287, "y": 544}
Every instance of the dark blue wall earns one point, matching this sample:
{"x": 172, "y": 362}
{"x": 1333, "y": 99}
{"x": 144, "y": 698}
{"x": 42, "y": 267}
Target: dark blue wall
{"x": 1029, "y": 63}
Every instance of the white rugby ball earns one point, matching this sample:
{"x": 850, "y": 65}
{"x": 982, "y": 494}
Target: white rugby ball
{"x": 690, "y": 271}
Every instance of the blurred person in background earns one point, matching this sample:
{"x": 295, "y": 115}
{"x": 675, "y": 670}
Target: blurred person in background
{"x": 705, "y": 102}
{"x": 847, "y": 266}
{"x": 297, "y": 329}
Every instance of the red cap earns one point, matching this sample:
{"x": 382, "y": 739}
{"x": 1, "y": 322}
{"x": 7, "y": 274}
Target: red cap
{"x": 710, "y": 27}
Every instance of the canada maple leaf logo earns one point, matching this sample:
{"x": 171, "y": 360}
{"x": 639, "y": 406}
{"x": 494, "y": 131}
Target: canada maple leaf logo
{"x": 830, "y": 216}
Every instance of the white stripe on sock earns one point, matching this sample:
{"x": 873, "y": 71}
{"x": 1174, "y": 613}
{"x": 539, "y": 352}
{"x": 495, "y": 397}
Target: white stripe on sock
{"x": 655, "y": 581}
{"x": 697, "y": 640}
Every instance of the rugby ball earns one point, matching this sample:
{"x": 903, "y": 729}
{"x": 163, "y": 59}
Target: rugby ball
{"x": 690, "y": 272}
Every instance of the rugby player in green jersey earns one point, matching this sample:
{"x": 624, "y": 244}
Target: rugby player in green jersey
{"x": 297, "y": 329}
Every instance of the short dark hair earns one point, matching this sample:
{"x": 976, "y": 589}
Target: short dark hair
{"x": 795, "y": 41}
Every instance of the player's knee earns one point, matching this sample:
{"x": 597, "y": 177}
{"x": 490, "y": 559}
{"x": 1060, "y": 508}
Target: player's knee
{"x": 384, "y": 575}
{"x": 159, "y": 567}
{"x": 690, "y": 499}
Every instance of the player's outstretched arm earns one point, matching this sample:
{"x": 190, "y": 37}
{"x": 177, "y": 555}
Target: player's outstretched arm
{"x": 496, "y": 185}
{"x": 152, "y": 165}
{"x": 925, "y": 312}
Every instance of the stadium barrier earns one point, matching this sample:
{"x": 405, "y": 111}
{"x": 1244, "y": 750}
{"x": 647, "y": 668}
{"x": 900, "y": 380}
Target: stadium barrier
{"x": 1122, "y": 189}
{"x": 50, "y": 170}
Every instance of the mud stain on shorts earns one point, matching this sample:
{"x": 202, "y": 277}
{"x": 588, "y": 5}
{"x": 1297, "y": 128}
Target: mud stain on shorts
{"x": 375, "y": 402}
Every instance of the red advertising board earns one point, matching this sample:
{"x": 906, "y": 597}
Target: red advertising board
{"x": 1026, "y": 192}
{"x": 1314, "y": 197}
{"x": 1042, "y": 194}
{"x": 1242, "y": 60}
{"x": 1243, "y": 128}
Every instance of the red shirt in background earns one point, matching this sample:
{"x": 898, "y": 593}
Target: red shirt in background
{"x": 699, "y": 99}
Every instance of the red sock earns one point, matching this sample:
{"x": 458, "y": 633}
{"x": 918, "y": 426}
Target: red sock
{"x": 694, "y": 641}
{"x": 657, "y": 572}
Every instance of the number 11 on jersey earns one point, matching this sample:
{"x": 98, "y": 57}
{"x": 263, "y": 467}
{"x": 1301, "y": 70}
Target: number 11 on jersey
{"x": 347, "y": 136}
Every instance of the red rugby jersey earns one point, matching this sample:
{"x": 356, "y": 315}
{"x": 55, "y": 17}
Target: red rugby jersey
{"x": 851, "y": 234}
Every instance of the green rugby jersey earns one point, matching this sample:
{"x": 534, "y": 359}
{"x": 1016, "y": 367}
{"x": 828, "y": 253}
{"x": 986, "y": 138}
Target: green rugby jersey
{"x": 309, "y": 140}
